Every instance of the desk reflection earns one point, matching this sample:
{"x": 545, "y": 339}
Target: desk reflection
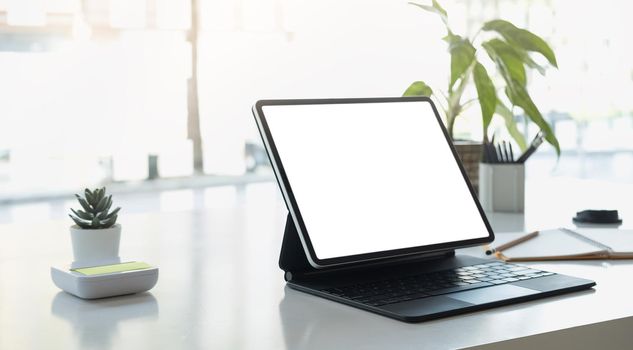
{"x": 310, "y": 322}
{"x": 96, "y": 322}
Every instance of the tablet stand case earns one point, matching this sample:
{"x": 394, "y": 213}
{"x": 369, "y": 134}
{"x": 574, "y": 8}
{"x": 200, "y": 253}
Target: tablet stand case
{"x": 293, "y": 260}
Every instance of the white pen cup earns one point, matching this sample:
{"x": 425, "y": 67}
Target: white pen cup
{"x": 502, "y": 187}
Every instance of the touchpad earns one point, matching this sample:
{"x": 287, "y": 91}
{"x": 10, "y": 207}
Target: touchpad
{"x": 492, "y": 294}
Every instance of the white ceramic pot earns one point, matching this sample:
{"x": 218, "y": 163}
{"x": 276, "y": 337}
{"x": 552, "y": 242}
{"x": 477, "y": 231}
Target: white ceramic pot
{"x": 95, "y": 247}
{"x": 502, "y": 187}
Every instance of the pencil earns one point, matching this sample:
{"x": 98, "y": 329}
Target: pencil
{"x": 500, "y": 153}
{"x": 505, "y": 152}
{"x": 512, "y": 243}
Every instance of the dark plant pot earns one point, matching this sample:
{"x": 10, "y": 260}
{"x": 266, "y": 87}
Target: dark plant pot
{"x": 470, "y": 155}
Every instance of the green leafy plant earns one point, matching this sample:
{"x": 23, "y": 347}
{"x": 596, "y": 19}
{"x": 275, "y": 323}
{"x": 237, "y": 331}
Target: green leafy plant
{"x": 510, "y": 49}
{"x": 96, "y": 210}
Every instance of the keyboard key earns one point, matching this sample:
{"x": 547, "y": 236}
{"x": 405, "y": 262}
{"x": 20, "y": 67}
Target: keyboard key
{"x": 407, "y": 288}
{"x": 498, "y": 281}
{"x": 392, "y": 300}
{"x": 497, "y": 265}
{"x": 459, "y": 288}
{"x": 527, "y": 272}
{"x": 417, "y": 296}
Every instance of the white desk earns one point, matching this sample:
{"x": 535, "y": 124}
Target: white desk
{"x": 220, "y": 287}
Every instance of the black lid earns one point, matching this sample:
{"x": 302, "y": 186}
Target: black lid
{"x": 598, "y": 217}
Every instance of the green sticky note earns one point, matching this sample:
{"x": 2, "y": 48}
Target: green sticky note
{"x": 123, "y": 267}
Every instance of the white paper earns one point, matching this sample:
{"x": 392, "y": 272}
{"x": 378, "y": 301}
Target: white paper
{"x": 620, "y": 241}
{"x": 550, "y": 243}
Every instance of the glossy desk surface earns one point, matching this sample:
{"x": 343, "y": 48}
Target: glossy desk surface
{"x": 220, "y": 286}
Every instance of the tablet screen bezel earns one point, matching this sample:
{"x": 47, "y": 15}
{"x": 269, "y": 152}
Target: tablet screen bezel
{"x": 295, "y": 211}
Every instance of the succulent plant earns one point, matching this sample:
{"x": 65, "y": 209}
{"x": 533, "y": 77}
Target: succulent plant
{"x": 96, "y": 210}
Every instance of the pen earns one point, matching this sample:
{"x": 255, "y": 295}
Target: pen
{"x": 511, "y": 154}
{"x": 486, "y": 156}
{"x": 500, "y": 153}
{"x": 491, "y": 153}
{"x": 512, "y": 243}
{"x": 533, "y": 146}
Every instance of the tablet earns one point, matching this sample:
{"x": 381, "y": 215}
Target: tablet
{"x": 372, "y": 178}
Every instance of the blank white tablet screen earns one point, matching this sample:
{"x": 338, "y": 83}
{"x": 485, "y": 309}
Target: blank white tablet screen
{"x": 370, "y": 177}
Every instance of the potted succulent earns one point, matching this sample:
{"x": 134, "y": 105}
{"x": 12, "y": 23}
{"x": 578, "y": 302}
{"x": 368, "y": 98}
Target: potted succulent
{"x": 508, "y": 49}
{"x": 95, "y": 235}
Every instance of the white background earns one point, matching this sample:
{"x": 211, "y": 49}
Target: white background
{"x": 373, "y": 177}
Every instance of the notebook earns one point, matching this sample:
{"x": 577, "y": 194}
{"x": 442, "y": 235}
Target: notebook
{"x": 566, "y": 244}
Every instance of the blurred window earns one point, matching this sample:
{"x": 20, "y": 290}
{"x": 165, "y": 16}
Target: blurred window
{"x": 95, "y": 91}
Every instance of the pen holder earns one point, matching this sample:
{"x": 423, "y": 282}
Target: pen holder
{"x": 502, "y": 187}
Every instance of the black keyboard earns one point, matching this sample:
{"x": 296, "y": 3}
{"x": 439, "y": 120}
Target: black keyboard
{"x": 377, "y": 293}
